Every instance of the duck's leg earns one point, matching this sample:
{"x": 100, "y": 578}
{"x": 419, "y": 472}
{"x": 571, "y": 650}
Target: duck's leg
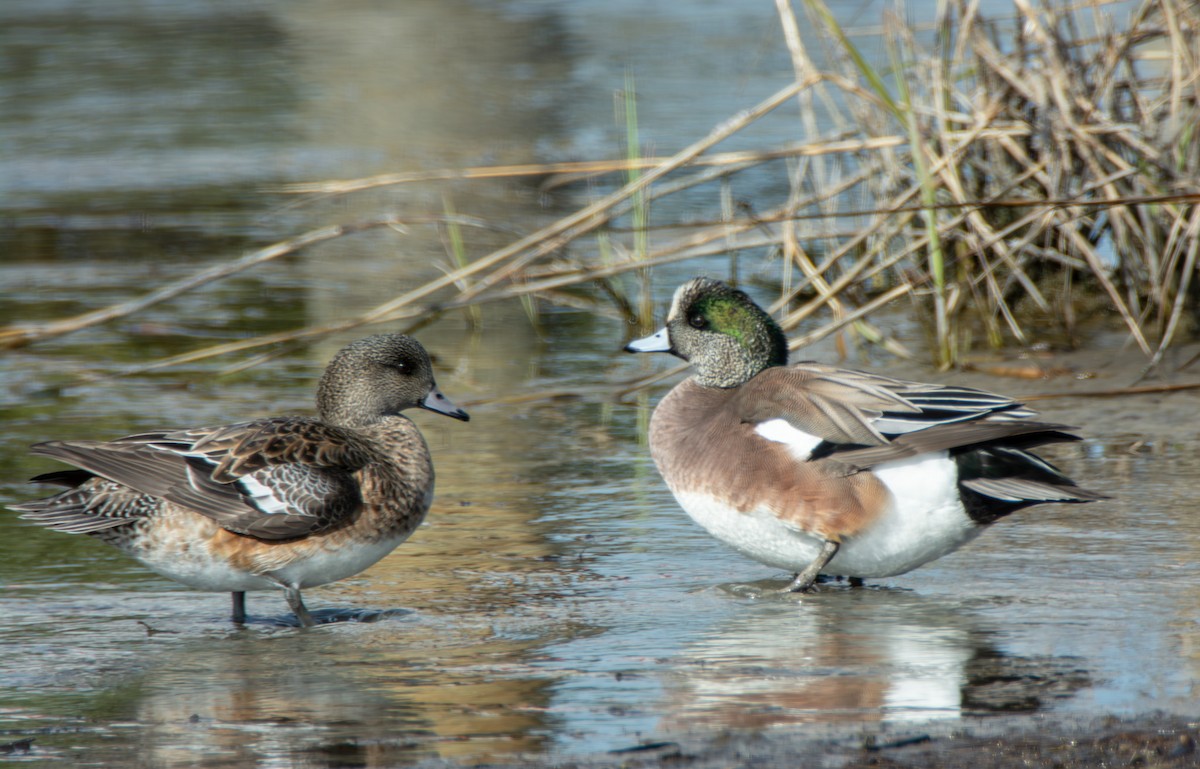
{"x": 239, "y": 607}
{"x": 805, "y": 579}
{"x": 292, "y": 594}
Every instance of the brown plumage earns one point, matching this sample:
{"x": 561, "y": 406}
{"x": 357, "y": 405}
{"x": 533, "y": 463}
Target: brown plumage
{"x": 284, "y": 502}
{"x": 824, "y": 470}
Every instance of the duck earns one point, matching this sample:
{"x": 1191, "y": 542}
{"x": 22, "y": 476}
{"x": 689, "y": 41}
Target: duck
{"x": 828, "y": 472}
{"x": 282, "y": 503}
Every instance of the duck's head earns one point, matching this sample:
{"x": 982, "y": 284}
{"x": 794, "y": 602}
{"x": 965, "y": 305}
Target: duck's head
{"x": 380, "y": 376}
{"x": 720, "y": 331}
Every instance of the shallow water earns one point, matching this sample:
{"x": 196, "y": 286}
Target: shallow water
{"x": 556, "y": 599}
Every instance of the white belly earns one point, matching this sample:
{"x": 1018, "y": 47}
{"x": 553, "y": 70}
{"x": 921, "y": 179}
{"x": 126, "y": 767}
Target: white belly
{"x": 195, "y": 567}
{"x": 330, "y": 566}
{"x": 924, "y": 521}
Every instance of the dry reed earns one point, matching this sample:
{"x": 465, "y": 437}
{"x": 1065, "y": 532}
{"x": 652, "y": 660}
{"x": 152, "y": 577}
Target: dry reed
{"x": 998, "y": 171}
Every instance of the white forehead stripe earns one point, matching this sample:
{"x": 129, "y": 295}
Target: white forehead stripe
{"x": 675, "y": 300}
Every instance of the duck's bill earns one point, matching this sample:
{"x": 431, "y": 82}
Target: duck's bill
{"x": 435, "y": 401}
{"x": 659, "y": 341}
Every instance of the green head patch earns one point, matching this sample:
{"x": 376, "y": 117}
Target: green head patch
{"x": 730, "y": 312}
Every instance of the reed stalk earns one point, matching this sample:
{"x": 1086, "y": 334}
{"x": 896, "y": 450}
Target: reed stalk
{"x": 1001, "y": 168}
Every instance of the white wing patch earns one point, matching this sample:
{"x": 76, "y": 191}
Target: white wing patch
{"x": 800, "y": 443}
{"x": 262, "y": 497}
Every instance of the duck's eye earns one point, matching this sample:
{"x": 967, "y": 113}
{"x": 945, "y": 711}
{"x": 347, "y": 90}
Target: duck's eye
{"x": 697, "y": 320}
{"x": 403, "y": 367}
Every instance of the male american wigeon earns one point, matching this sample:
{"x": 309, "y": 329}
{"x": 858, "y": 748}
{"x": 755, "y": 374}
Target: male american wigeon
{"x": 827, "y": 471}
{"x": 284, "y": 503}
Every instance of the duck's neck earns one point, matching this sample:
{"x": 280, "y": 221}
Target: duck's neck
{"x": 733, "y": 364}
{"x": 348, "y": 417}
{"x": 730, "y": 375}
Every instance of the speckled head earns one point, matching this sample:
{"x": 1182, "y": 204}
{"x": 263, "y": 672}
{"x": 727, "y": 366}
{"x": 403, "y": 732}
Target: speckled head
{"x": 380, "y": 376}
{"x": 722, "y": 333}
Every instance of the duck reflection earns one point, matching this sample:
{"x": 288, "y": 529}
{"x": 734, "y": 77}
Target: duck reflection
{"x": 297, "y": 700}
{"x": 855, "y": 655}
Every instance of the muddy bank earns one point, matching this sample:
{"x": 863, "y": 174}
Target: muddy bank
{"x": 1151, "y": 742}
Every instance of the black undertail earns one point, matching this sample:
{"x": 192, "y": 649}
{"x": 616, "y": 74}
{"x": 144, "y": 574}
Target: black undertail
{"x": 995, "y": 481}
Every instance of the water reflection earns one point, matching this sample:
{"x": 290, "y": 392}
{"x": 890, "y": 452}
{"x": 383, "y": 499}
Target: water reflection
{"x": 389, "y": 84}
{"x": 854, "y": 655}
{"x": 469, "y": 602}
{"x": 556, "y": 595}
{"x": 278, "y": 699}
{"x": 155, "y": 666}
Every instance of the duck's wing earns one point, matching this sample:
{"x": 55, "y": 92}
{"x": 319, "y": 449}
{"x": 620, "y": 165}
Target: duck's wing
{"x": 271, "y": 479}
{"x": 846, "y": 407}
{"x": 1016, "y": 435}
{"x": 852, "y": 421}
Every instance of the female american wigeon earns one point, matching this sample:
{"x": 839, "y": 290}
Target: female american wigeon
{"x": 826, "y": 471}
{"x": 284, "y": 503}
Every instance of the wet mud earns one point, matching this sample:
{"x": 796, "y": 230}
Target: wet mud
{"x": 1150, "y": 743}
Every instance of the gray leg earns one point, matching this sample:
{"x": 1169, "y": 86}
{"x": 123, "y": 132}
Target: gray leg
{"x": 292, "y": 594}
{"x": 805, "y": 579}
{"x": 239, "y": 607}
